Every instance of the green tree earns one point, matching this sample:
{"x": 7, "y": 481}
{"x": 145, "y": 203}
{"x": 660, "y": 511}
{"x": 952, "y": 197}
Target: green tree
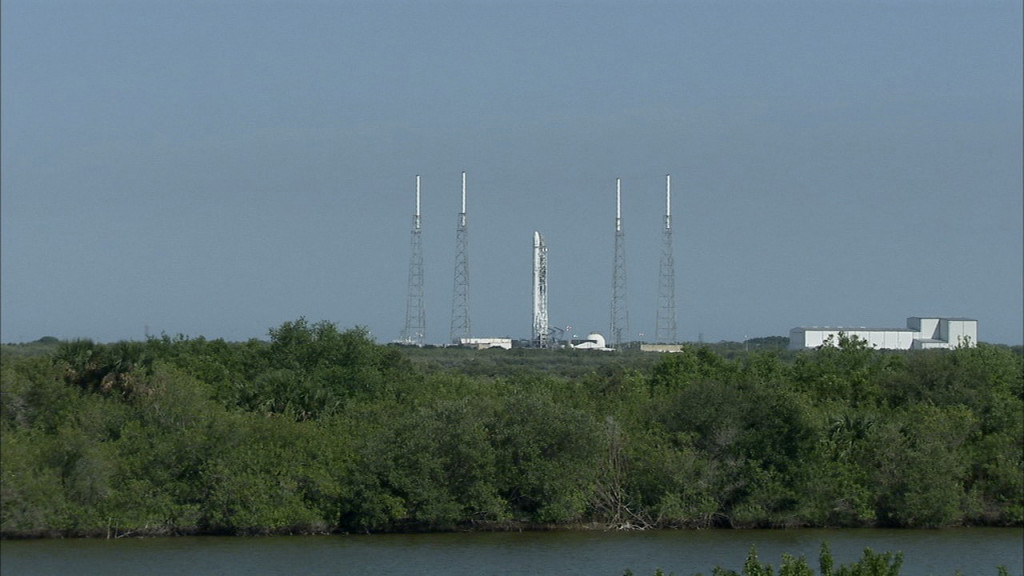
{"x": 546, "y": 454}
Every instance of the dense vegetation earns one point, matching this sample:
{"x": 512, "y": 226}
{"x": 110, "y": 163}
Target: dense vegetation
{"x": 321, "y": 430}
{"x": 870, "y": 564}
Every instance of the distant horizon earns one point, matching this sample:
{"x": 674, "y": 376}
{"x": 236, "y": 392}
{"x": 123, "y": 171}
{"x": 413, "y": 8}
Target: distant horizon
{"x": 397, "y": 342}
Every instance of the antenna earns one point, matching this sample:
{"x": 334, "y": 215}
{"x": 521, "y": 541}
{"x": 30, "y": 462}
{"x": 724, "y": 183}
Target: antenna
{"x": 665, "y": 331}
{"x": 415, "y": 313}
{"x": 460, "y": 327}
{"x": 619, "y": 313}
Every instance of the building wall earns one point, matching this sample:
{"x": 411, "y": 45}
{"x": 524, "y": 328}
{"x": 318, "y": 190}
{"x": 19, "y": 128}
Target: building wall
{"x": 920, "y": 333}
{"x": 904, "y": 340}
{"x": 485, "y": 343}
{"x": 661, "y": 347}
{"x": 927, "y": 328}
{"x": 957, "y": 331}
{"x": 930, "y": 344}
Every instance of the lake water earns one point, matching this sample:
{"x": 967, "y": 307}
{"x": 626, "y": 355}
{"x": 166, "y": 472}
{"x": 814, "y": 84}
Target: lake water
{"x": 926, "y": 552}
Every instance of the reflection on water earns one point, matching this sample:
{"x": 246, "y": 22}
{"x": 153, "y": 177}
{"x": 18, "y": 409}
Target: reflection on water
{"x": 926, "y": 552}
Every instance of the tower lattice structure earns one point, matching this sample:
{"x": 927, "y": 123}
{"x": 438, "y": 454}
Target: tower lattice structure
{"x": 619, "y": 313}
{"x": 665, "y": 330}
{"x": 415, "y": 313}
{"x": 460, "y": 326}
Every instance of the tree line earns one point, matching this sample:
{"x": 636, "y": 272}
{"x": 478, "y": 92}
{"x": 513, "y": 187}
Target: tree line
{"x": 319, "y": 430}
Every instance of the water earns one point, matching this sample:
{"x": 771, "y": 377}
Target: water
{"x": 926, "y": 552}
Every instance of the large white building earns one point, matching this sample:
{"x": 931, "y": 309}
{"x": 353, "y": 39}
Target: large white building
{"x": 920, "y": 334}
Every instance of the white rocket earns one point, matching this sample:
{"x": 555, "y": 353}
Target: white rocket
{"x": 540, "y": 291}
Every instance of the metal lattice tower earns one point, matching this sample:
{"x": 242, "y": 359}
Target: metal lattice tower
{"x": 666, "y": 322}
{"x": 460, "y": 327}
{"x": 620, "y": 315}
{"x": 415, "y": 313}
{"x": 540, "y": 292}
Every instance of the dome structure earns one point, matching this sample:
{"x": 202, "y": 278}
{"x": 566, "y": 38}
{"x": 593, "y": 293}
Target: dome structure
{"x": 593, "y": 341}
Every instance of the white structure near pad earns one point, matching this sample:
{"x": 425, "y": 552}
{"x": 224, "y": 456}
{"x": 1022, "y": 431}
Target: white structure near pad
{"x": 920, "y": 334}
{"x": 486, "y": 343}
{"x": 593, "y": 341}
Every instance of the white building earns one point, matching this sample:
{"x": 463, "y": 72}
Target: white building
{"x": 669, "y": 348}
{"x": 593, "y": 341}
{"x": 486, "y": 343}
{"x": 920, "y": 334}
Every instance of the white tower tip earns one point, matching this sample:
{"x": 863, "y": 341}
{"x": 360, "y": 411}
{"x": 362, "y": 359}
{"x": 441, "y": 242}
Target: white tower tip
{"x": 668, "y": 201}
{"x": 618, "y": 205}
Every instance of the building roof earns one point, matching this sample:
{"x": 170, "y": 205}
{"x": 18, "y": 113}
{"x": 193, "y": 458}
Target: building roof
{"x": 854, "y": 329}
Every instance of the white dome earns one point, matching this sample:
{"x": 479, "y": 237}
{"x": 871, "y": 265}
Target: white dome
{"x": 597, "y": 338}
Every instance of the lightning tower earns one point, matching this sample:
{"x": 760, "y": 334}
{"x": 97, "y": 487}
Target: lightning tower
{"x": 415, "y": 313}
{"x": 540, "y": 292}
{"x": 460, "y": 296}
{"x": 666, "y": 322}
{"x": 620, "y": 315}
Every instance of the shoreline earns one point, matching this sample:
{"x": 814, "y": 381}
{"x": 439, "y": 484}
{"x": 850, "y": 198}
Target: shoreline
{"x": 488, "y": 527}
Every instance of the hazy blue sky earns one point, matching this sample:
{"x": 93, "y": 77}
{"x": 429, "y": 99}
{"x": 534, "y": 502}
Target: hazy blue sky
{"x": 217, "y": 168}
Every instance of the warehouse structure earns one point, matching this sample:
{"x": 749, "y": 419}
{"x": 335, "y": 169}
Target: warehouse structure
{"x": 920, "y": 334}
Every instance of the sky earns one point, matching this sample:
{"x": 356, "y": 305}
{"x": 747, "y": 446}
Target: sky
{"x": 217, "y": 168}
